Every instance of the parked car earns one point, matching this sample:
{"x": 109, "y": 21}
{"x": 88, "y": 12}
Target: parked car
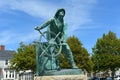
{"x": 109, "y": 78}
{"x": 117, "y": 77}
{"x": 94, "y": 78}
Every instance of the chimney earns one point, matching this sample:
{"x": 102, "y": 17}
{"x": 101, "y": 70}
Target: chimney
{"x": 2, "y": 47}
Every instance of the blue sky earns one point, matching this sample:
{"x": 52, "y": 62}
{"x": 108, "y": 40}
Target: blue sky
{"x": 86, "y": 19}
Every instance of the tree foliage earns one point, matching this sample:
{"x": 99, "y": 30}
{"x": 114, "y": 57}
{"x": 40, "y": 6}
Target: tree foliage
{"x": 107, "y": 52}
{"x": 80, "y": 54}
{"x": 24, "y": 58}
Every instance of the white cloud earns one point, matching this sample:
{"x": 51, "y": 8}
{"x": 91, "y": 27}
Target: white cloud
{"x": 4, "y": 38}
{"x": 9, "y": 37}
{"x": 32, "y": 7}
{"x": 77, "y": 10}
{"x": 77, "y": 14}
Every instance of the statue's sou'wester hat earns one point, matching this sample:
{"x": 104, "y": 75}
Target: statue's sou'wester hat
{"x": 59, "y": 10}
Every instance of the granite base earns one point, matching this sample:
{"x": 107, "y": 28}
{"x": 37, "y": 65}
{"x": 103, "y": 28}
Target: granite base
{"x": 62, "y": 77}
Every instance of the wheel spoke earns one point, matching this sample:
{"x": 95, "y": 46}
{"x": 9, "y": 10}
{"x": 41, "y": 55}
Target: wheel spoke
{"x": 53, "y": 47}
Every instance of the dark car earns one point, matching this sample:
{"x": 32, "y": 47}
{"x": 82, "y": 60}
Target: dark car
{"x": 94, "y": 78}
{"x": 109, "y": 78}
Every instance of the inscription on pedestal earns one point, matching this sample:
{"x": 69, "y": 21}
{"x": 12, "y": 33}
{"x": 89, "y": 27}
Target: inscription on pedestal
{"x": 64, "y": 72}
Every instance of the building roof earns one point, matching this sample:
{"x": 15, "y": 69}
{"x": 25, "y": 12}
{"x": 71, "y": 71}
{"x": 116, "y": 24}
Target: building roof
{"x": 6, "y": 54}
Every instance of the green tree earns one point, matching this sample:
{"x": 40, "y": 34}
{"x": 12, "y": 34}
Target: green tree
{"x": 24, "y": 58}
{"x": 80, "y": 54}
{"x": 107, "y": 53}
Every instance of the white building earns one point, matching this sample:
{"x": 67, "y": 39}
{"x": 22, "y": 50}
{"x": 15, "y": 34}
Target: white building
{"x": 26, "y": 75}
{"x": 117, "y": 72}
{"x": 5, "y": 72}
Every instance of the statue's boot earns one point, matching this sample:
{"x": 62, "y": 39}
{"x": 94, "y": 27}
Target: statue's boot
{"x": 70, "y": 58}
{"x": 74, "y": 66}
{"x": 58, "y": 65}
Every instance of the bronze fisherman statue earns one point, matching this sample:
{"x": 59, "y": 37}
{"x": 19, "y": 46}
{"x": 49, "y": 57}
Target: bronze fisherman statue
{"x": 55, "y": 35}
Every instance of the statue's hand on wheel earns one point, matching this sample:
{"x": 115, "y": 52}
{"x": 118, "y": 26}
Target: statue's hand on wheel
{"x": 63, "y": 42}
{"x": 37, "y": 28}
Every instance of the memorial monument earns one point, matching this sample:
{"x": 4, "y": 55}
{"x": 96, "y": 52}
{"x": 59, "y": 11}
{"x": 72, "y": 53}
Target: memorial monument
{"x": 50, "y": 45}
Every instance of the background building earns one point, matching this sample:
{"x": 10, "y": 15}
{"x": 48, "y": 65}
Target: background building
{"x": 5, "y": 72}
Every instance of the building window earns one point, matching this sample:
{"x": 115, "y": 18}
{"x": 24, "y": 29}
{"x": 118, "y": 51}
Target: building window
{"x": 10, "y": 74}
{"x": 13, "y": 74}
{"x": 6, "y": 74}
{"x": 6, "y": 62}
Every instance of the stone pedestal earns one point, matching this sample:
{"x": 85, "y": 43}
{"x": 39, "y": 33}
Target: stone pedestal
{"x": 62, "y": 77}
{"x": 64, "y": 74}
